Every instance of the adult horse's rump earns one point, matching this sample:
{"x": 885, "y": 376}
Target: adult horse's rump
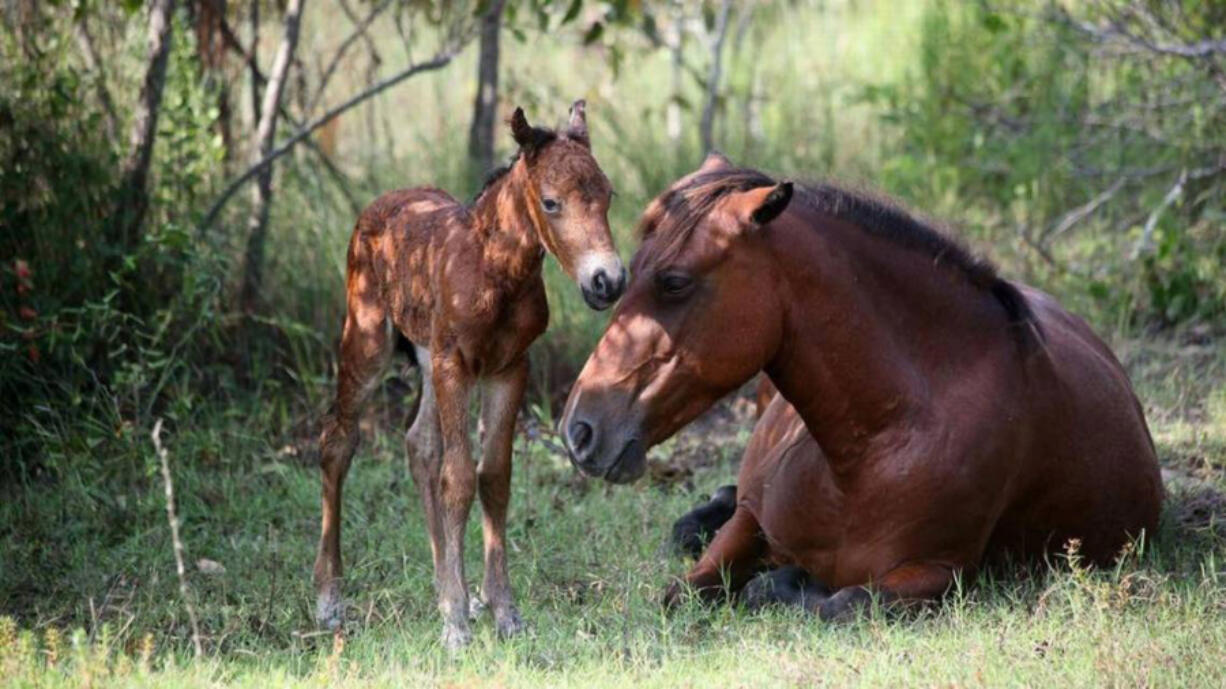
{"x": 939, "y": 413}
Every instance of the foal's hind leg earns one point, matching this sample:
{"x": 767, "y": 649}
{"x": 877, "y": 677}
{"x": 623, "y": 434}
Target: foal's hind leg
{"x": 365, "y": 345}
{"x": 424, "y": 449}
{"x": 501, "y": 396}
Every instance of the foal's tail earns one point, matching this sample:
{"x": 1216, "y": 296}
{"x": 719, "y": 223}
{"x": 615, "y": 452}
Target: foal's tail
{"x": 1021, "y": 317}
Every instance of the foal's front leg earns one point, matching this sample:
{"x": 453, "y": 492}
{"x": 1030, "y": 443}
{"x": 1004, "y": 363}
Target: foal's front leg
{"x": 501, "y": 396}
{"x": 457, "y": 482}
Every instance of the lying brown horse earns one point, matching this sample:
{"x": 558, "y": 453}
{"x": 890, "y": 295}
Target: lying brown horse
{"x": 463, "y": 285}
{"x": 940, "y": 413}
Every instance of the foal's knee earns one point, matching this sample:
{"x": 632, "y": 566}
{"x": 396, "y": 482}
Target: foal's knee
{"x": 337, "y": 443}
{"x": 458, "y": 482}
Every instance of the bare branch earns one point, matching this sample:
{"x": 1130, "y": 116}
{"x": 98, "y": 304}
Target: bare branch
{"x": 257, "y": 223}
{"x": 359, "y": 32}
{"x": 1082, "y": 212}
{"x": 176, "y": 540}
{"x": 440, "y": 60}
{"x": 717, "y": 64}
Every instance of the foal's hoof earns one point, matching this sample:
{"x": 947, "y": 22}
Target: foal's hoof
{"x": 789, "y": 585}
{"x": 509, "y": 622}
{"x": 456, "y": 636}
{"x": 330, "y": 609}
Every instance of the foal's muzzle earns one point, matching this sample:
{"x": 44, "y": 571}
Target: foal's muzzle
{"x": 602, "y": 290}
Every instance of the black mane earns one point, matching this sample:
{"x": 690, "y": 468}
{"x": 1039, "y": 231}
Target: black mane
{"x": 685, "y": 206}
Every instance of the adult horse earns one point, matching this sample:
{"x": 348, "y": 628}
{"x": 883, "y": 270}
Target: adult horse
{"x": 462, "y": 283}
{"x": 941, "y": 413}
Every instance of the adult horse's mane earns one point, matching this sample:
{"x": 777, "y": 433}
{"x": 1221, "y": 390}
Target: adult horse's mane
{"x": 671, "y": 219}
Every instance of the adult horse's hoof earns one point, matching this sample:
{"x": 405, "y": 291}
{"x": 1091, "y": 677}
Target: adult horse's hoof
{"x": 695, "y": 529}
{"x": 456, "y": 636}
{"x": 791, "y": 586}
{"x": 330, "y": 608}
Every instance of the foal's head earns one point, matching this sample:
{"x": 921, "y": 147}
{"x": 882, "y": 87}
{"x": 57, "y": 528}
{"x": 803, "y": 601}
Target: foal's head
{"x": 700, "y": 317}
{"x": 568, "y": 199}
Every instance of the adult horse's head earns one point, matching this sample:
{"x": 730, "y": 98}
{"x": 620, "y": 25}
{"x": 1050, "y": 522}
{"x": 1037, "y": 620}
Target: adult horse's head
{"x": 700, "y": 317}
{"x": 568, "y": 200}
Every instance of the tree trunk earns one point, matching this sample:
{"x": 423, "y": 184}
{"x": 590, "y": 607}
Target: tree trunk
{"x": 133, "y": 198}
{"x": 485, "y": 105}
{"x": 717, "y": 63}
{"x": 257, "y": 224}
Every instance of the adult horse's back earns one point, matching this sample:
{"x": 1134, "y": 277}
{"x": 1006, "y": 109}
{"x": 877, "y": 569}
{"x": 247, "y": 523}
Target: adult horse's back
{"x": 941, "y": 413}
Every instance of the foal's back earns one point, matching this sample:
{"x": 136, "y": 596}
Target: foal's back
{"x": 396, "y": 245}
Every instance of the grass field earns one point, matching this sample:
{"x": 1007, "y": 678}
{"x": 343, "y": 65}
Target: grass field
{"x": 92, "y": 582}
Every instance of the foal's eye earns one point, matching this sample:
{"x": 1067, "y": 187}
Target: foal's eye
{"x": 673, "y": 285}
{"x": 551, "y": 206}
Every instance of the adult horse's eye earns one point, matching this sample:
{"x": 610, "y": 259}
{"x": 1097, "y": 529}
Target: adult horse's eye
{"x": 551, "y": 206}
{"x": 673, "y": 285}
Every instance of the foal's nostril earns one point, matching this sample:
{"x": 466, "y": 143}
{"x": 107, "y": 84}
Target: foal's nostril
{"x": 581, "y": 435}
{"x": 601, "y": 284}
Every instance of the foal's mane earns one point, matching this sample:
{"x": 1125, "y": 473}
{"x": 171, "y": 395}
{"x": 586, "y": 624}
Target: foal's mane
{"x": 671, "y": 219}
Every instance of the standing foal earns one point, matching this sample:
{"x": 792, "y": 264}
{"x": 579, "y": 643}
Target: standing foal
{"x": 463, "y": 284}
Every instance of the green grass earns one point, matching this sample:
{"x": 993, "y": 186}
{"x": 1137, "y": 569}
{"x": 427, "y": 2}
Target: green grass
{"x": 88, "y": 574}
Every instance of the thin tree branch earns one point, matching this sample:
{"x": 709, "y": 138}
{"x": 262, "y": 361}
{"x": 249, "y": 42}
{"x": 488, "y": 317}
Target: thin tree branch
{"x": 176, "y": 540}
{"x": 359, "y": 32}
{"x": 1082, "y": 212}
{"x": 94, "y": 64}
{"x": 717, "y": 64}
{"x": 440, "y": 60}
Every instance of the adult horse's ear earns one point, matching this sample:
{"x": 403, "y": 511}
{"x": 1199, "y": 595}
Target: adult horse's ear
{"x": 714, "y": 161}
{"x": 528, "y": 137}
{"x": 576, "y": 123}
{"x": 759, "y": 206}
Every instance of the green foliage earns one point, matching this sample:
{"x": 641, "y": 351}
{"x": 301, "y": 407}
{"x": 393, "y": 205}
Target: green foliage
{"x": 1019, "y": 118}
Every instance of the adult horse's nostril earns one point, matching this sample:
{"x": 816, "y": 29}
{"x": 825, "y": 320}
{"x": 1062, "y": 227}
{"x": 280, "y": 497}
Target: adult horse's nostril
{"x": 581, "y": 436}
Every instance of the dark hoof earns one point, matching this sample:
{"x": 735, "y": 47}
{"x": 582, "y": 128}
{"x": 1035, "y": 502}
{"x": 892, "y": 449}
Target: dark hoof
{"x": 693, "y": 531}
{"x": 846, "y": 604}
{"x": 790, "y": 586}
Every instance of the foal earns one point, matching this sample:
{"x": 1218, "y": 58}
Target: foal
{"x": 463, "y": 284}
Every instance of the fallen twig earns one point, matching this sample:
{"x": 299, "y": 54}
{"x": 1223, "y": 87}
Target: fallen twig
{"x": 174, "y": 536}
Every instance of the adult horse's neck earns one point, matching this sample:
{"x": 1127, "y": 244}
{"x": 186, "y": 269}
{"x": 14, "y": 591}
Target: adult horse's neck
{"x": 872, "y": 331}
{"x": 507, "y": 219}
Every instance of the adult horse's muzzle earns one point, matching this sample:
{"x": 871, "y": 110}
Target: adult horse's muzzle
{"x": 600, "y": 446}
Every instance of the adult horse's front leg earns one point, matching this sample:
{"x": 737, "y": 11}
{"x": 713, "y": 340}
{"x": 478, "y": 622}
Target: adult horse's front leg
{"x": 733, "y": 557}
{"x": 501, "y": 396}
{"x": 908, "y": 584}
{"x": 457, "y": 483}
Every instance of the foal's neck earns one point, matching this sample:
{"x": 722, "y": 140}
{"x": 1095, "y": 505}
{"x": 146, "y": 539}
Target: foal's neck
{"x": 507, "y": 215}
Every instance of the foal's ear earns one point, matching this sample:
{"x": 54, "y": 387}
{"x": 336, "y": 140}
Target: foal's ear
{"x": 757, "y": 207}
{"x": 529, "y": 138}
{"x": 714, "y": 161}
{"x": 576, "y": 123}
